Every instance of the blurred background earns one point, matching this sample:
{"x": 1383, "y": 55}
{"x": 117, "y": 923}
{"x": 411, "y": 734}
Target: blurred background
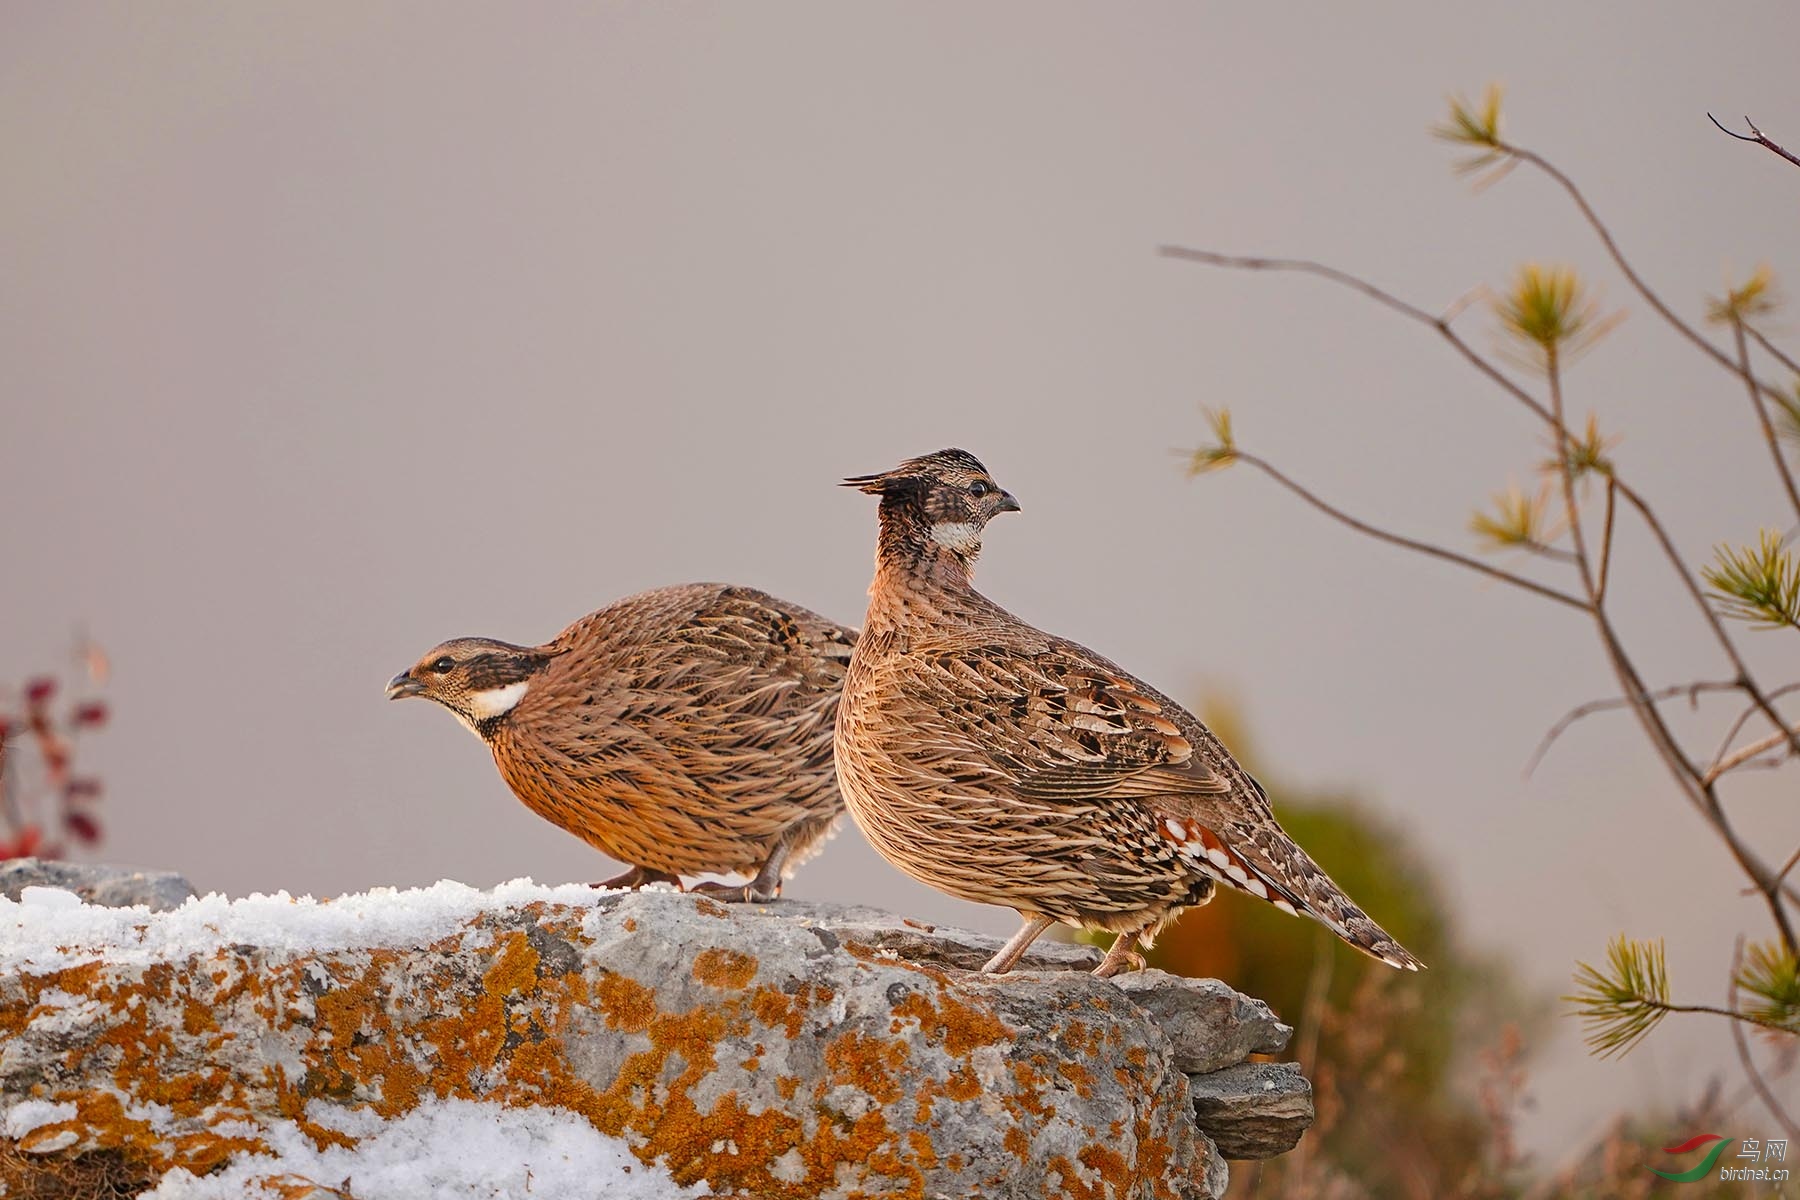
{"x": 330, "y": 332}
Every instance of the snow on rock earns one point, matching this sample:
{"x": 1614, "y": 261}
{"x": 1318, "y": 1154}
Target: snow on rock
{"x": 441, "y": 1148}
{"x": 561, "y": 1041}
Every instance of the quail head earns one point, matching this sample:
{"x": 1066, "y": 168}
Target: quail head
{"x": 1005, "y": 765}
{"x": 682, "y": 731}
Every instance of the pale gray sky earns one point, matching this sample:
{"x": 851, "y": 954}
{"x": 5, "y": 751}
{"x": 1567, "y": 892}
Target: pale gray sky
{"x": 329, "y": 332}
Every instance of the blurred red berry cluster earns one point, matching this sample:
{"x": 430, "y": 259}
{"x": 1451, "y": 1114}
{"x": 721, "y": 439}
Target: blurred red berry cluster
{"x": 45, "y": 804}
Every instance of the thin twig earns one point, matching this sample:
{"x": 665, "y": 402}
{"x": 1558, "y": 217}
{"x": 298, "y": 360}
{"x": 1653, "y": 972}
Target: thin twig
{"x": 1738, "y": 724}
{"x": 1606, "y": 540}
{"x": 1714, "y": 1011}
{"x": 1738, "y": 758}
{"x": 1743, "y": 1050}
{"x": 1762, "y": 415}
{"x": 1773, "y": 350}
{"x": 1755, "y": 135}
{"x": 1690, "y": 690}
{"x": 1426, "y": 548}
{"x": 1619, "y": 260}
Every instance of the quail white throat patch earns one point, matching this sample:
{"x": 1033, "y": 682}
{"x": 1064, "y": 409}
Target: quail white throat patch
{"x": 496, "y": 702}
{"x": 960, "y": 536}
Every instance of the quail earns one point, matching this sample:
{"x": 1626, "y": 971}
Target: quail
{"x": 1004, "y": 765}
{"x": 681, "y": 731}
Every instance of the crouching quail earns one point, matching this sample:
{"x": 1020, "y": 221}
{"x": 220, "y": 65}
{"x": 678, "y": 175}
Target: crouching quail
{"x": 1007, "y": 766}
{"x": 682, "y": 731}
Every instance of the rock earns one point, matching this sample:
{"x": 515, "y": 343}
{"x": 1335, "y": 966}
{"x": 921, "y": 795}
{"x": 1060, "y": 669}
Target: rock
{"x": 1253, "y": 1110}
{"x": 97, "y": 883}
{"x": 1210, "y": 1024}
{"x": 790, "y": 1050}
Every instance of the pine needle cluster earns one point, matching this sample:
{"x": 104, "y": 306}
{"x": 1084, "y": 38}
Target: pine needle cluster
{"x": 1622, "y": 1002}
{"x": 1760, "y": 584}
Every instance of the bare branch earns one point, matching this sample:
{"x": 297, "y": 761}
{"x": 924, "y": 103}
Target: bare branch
{"x": 1755, "y": 135}
{"x": 1691, "y": 690}
{"x": 1625, "y": 268}
{"x": 1738, "y": 758}
{"x": 1738, "y": 725}
{"x": 1606, "y": 540}
{"x": 1743, "y": 1049}
{"x": 1762, "y": 414}
{"x": 1773, "y": 350}
{"x": 1395, "y": 539}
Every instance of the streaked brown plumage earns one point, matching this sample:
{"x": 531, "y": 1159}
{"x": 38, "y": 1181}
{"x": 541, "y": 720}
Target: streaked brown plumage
{"x": 683, "y": 731}
{"x": 1007, "y": 766}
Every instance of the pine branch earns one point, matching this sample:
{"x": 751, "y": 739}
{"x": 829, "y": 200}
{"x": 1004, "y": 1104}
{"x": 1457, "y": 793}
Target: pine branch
{"x": 1621, "y": 1003}
{"x": 1742, "y": 1043}
{"x": 1758, "y": 585}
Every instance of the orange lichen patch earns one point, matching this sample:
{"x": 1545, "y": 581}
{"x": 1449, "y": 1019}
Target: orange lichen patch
{"x": 710, "y": 908}
{"x": 721, "y": 968}
{"x": 871, "y": 1065}
{"x": 787, "y": 1085}
{"x": 628, "y": 1004}
{"x": 516, "y": 971}
{"x": 960, "y": 1027}
{"x": 196, "y": 1018}
{"x": 787, "y": 1011}
{"x": 962, "y": 1084}
{"x": 1078, "y": 1076}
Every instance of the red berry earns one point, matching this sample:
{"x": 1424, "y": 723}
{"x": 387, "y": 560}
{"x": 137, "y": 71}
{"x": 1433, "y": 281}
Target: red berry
{"x": 84, "y": 828}
{"x": 81, "y": 789}
{"x": 91, "y": 714}
{"x": 39, "y": 690}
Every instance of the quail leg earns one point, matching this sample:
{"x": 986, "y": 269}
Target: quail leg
{"x": 761, "y": 890}
{"x": 1021, "y": 941}
{"x": 637, "y": 877}
{"x": 1123, "y": 954}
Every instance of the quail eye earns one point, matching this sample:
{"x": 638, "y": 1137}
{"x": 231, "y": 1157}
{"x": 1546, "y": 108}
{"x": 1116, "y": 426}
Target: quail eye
{"x": 979, "y": 488}
{"x": 441, "y": 666}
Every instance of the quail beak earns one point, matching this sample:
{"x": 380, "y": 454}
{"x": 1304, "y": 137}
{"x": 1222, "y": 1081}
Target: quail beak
{"x": 403, "y": 685}
{"x": 1007, "y": 503}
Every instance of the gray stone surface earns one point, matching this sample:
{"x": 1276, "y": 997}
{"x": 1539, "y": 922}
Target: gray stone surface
{"x": 1210, "y": 1023}
{"x": 793, "y": 1050}
{"x": 1253, "y": 1110}
{"x": 98, "y": 883}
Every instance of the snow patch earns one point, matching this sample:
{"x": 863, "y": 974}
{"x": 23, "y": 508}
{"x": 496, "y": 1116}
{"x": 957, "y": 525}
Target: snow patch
{"x": 49, "y": 929}
{"x": 464, "y": 1148}
{"x": 28, "y": 1115}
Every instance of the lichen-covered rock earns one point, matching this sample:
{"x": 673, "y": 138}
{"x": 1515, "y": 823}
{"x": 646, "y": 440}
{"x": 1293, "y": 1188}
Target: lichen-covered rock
{"x": 778, "y": 1051}
{"x": 97, "y": 883}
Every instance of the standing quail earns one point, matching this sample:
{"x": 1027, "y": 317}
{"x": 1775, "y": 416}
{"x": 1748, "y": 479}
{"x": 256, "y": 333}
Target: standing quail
{"x": 1007, "y": 766}
{"x": 682, "y": 731}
